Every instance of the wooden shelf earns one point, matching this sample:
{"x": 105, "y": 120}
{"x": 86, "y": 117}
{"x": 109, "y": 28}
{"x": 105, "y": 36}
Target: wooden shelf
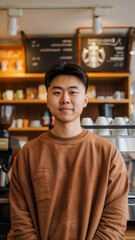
{"x": 24, "y": 101}
{"x": 116, "y": 101}
{"x": 28, "y": 129}
{"x": 108, "y": 75}
{"x": 38, "y": 101}
{"x": 22, "y": 76}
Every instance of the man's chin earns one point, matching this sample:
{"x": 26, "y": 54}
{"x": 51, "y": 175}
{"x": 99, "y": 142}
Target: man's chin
{"x": 64, "y": 119}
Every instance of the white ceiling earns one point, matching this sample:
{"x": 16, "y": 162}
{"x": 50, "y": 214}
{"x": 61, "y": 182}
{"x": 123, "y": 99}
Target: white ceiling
{"x": 38, "y": 19}
{"x": 44, "y": 17}
{"x": 52, "y": 3}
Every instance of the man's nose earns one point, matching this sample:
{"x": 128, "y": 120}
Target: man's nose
{"x": 65, "y": 98}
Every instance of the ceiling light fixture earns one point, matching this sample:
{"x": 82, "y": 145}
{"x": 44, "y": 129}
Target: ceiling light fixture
{"x": 12, "y": 20}
{"x": 97, "y": 23}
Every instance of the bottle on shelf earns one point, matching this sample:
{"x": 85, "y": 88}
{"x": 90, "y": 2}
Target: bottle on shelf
{"x": 45, "y": 118}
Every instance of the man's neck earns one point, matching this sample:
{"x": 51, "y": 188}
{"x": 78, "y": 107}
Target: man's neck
{"x": 66, "y": 130}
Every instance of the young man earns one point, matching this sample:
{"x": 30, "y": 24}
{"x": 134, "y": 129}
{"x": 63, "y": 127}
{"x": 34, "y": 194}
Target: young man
{"x": 68, "y": 183}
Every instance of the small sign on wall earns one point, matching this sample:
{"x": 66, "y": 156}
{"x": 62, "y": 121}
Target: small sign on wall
{"x": 105, "y": 53}
{"x": 42, "y": 53}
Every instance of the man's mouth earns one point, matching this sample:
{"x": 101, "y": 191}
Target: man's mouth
{"x": 65, "y": 109}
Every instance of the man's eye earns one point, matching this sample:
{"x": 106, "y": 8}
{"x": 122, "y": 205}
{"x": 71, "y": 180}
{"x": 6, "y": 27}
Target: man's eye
{"x": 74, "y": 92}
{"x": 57, "y": 93}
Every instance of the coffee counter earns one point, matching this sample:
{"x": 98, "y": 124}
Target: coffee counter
{"x": 130, "y": 232}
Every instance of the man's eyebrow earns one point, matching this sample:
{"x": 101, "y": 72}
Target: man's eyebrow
{"x": 58, "y": 87}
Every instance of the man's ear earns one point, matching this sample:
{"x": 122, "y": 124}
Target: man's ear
{"x": 85, "y": 101}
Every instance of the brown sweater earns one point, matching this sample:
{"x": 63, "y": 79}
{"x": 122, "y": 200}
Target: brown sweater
{"x": 69, "y": 189}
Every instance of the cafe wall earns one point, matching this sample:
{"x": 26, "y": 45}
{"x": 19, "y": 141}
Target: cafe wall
{"x": 66, "y": 21}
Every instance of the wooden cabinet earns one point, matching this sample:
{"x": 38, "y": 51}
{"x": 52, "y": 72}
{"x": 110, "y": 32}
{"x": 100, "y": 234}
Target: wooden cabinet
{"x": 26, "y": 108}
{"x": 105, "y": 83}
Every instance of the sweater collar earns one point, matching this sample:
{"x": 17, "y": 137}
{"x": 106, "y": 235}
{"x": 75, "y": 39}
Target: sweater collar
{"x": 61, "y": 140}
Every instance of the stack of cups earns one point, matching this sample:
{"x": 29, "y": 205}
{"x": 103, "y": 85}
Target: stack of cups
{"x": 87, "y": 121}
{"x": 119, "y": 121}
{"x": 101, "y": 120}
{"x": 132, "y": 122}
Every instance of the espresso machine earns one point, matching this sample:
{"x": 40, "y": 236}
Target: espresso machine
{"x": 7, "y": 114}
{"x": 9, "y": 146}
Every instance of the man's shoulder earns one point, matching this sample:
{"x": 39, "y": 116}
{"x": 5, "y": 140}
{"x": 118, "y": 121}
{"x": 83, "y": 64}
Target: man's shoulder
{"x": 35, "y": 141}
{"x": 100, "y": 140}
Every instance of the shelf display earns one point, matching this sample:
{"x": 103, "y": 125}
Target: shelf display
{"x": 105, "y": 84}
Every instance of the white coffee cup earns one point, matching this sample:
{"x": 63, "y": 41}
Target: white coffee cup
{"x": 101, "y": 120}
{"x": 19, "y": 94}
{"x": 132, "y": 122}
{"x": 13, "y": 123}
{"x": 8, "y": 95}
{"x": 35, "y": 123}
{"x": 19, "y": 64}
{"x": 19, "y": 122}
{"x": 4, "y": 65}
{"x": 119, "y": 121}
{"x": 117, "y": 94}
{"x": 87, "y": 121}
{"x": 132, "y": 118}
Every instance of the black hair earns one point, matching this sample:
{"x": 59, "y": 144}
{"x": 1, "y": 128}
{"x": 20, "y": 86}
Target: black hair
{"x": 69, "y": 68}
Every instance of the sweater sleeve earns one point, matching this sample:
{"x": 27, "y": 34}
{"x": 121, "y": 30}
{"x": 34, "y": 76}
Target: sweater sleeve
{"x": 21, "y": 219}
{"x": 114, "y": 216}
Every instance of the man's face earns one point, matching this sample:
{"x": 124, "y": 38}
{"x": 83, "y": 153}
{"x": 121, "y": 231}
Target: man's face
{"x": 66, "y": 98}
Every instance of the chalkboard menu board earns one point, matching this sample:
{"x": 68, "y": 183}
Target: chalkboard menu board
{"x": 104, "y": 53}
{"x": 42, "y": 53}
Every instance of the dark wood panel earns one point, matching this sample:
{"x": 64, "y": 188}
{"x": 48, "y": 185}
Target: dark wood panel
{"x": 42, "y": 53}
{"x": 104, "y": 53}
